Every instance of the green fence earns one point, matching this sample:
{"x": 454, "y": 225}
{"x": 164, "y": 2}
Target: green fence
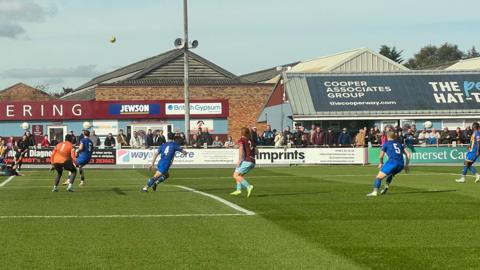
{"x": 427, "y": 155}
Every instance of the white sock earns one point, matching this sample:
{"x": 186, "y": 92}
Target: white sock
{"x": 69, "y": 186}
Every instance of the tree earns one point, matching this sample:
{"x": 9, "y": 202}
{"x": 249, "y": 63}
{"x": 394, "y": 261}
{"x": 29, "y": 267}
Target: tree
{"x": 65, "y": 90}
{"x": 391, "y": 53}
{"x": 472, "y": 53}
{"x": 431, "y": 55}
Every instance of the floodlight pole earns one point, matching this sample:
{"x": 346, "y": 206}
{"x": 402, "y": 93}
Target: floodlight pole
{"x": 185, "y": 73}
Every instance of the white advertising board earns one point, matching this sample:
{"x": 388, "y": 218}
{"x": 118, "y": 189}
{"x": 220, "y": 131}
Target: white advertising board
{"x": 265, "y": 156}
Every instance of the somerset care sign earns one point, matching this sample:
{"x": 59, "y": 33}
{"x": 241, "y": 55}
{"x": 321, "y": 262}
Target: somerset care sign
{"x": 403, "y": 91}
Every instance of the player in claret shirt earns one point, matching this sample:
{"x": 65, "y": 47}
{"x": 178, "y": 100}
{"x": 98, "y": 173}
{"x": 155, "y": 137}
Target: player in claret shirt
{"x": 246, "y": 162}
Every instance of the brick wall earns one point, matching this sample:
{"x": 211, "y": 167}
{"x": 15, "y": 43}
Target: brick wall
{"x": 245, "y": 101}
{"x": 23, "y": 92}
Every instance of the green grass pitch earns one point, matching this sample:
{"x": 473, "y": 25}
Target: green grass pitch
{"x": 306, "y": 218}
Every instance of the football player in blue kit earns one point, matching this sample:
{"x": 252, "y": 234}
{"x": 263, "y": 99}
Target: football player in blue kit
{"x": 472, "y": 155}
{"x": 84, "y": 154}
{"x": 395, "y": 164}
{"x": 167, "y": 153}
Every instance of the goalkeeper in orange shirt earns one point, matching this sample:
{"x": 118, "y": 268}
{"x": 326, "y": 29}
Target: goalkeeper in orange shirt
{"x": 63, "y": 157}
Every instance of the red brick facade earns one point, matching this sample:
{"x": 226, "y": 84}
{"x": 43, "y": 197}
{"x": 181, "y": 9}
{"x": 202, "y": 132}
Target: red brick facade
{"x": 245, "y": 101}
{"x": 23, "y": 92}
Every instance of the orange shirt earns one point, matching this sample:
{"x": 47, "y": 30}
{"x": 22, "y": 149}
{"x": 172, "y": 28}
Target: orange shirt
{"x": 63, "y": 152}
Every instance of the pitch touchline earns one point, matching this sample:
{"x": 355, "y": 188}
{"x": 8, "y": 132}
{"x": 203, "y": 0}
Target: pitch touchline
{"x": 7, "y": 181}
{"x": 123, "y": 216}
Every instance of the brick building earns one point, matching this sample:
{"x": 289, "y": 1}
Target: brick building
{"x": 161, "y": 78}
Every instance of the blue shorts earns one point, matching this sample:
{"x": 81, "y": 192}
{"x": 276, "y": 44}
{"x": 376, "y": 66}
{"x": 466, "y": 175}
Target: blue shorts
{"x": 391, "y": 168}
{"x": 163, "y": 167}
{"x": 471, "y": 156}
{"x": 82, "y": 161}
{"x": 245, "y": 167}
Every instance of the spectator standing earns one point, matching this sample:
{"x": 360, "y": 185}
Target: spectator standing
{"x": 179, "y": 138}
{"x": 459, "y": 138}
{"x": 45, "y": 142}
{"x": 297, "y": 136}
{"x": 268, "y": 136}
{"x": 278, "y": 139}
{"x": 30, "y": 139}
{"x": 254, "y": 135}
{"x": 344, "y": 139}
{"x": 434, "y": 137}
{"x": 229, "y": 143}
{"x": 54, "y": 141}
{"x": 217, "y": 143}
{"x": 122, "y": 138}
{"x": 136, "y": 141}
{"x": 318, "y": 137}
{"x": 206, "y": 137}
{"x": 445, "y": 137}
{"x": 468, "y": 134}
{"x": 330, "y": 138}
{"x": 94, "y": 139}
{"x": 287, "y": 136}
{"x": 375, "y": 137}
{"x": 312, "y": 132}
{"x": 423, "y": 137}
{"x": 410, "y": 138}
{"x": 159, "y": 138}
{"x": 74, "y": 137}
{"x": 305, "y": 140}
{"x": 149, "y": 139}
{"x": 367, "y": 135}
{"x": 360, "y": 138}
{"x": 195, "y": 141}
{"x": 109, "y": 141}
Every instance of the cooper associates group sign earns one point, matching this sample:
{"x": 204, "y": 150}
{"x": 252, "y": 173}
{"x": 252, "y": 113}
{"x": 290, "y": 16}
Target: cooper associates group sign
{"x": 89, "y": 110}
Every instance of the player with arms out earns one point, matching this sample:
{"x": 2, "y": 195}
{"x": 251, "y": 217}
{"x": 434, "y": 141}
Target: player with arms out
{"x": 167, "y": 152}
{"x": 63, "y": 157}
{"x": 472, "y": 155}
{"x": 245, "y": 163}
{"x": 394, "y": 165}
{"x": 84, "y": 154}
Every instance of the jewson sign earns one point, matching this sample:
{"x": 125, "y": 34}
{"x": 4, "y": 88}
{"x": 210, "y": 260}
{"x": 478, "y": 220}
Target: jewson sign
{"x": 195, "y": 108}
{"x": 134, "y": 109}
{"x": 427, "y": 155}
{"x": 399, "y": 92}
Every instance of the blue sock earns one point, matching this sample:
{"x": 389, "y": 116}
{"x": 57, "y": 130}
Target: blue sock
{"x": 161, "y": 179}
{"x": 465, "y": 170}
{"x": 378, "y": 183}
{"x": 150, "y": 182}
{"x": 473, "y": 170}
{"x": 245, "y": 183}
{"x": 389, "y": 179}
{"x": 239, "y": 186}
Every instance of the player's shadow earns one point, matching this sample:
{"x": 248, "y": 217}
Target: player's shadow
{"x": 422, "y": 192}
{"x": 119, "y": 191}
{"x": 290, "y": 194}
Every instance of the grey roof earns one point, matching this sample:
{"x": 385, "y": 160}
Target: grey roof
{"x": 88, "y": 94}
{"x": 265, "y": 74}
{"x": 163, "y": 69}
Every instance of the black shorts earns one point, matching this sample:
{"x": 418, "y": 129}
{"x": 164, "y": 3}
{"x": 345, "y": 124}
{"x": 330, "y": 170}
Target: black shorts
{"x": 67, "y": 165}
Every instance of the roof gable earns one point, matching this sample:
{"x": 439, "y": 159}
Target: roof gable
{"x": 23, "y": 92}
{"x": 467, "y": 64}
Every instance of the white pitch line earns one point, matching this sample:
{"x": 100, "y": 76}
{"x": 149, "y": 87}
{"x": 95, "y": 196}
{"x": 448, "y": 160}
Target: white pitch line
{"x": 7, "y": 181}
{"x": 227, "y": 203}
{"x": 121, "y": 216}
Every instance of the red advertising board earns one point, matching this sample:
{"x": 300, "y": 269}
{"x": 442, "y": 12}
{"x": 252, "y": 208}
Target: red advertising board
{"x": 80, "y": 110}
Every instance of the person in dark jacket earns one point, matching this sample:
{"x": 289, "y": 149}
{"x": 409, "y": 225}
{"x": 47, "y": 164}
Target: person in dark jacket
{"x": 109, "y": 141}
{"x": 344, "y": 139}
{"x": 149, "y": 139}
{"x": 330, "y": 138}
{"x": 254, "y": 135}
{"x": 206, "y": 137}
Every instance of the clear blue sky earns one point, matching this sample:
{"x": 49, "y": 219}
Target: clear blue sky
{"x": 65, "y": 42}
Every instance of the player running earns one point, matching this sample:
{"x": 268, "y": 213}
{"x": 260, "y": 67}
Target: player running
{"x": 84, "y": 154}
{"x": 167, "y": 152}
{"x": 394, "y": 165}
{"x": 245, "y": 163}
{"x": 63, "y": 157}
{"x": 472, "y": 155}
